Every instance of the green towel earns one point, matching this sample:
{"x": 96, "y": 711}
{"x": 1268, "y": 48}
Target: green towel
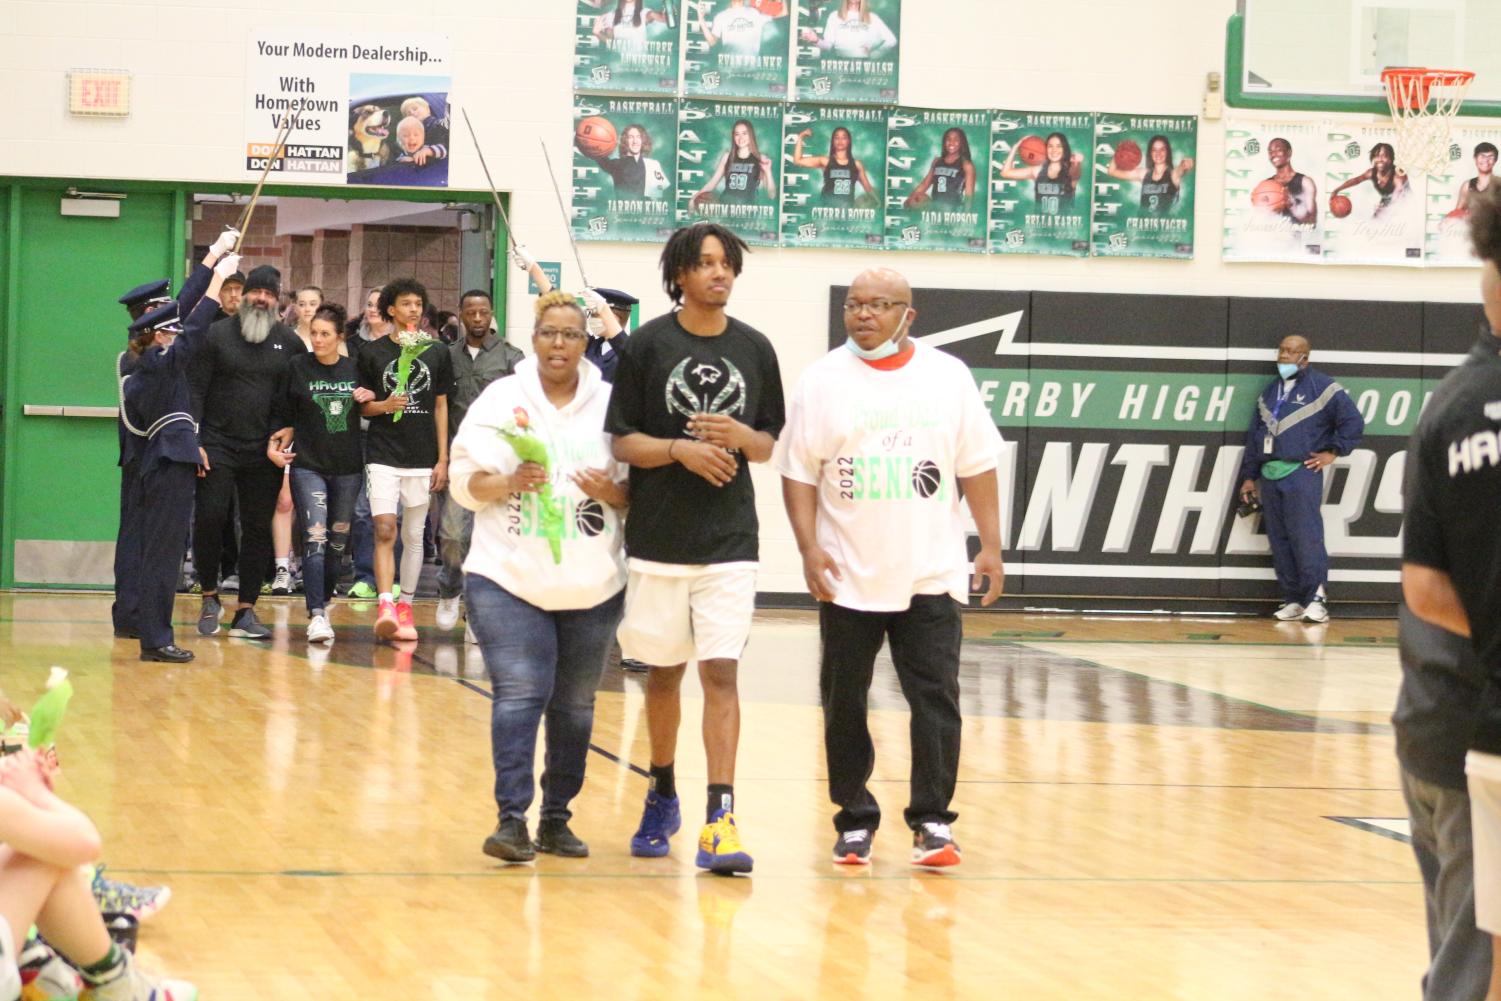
{"x": 1276, "y": 469}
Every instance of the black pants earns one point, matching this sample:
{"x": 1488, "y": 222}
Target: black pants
{"x": 247, "y": 476}
{"x": 163, "y": 501}
{"x": 127, "y": 552}
{"x": 925, "y": 648}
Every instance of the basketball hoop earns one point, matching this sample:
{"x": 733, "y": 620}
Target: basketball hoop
{"x": 1423, "y": 103}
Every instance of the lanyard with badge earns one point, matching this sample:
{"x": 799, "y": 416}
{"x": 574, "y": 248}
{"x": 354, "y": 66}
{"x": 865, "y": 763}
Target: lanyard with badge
{"x": 1283, "y": 392}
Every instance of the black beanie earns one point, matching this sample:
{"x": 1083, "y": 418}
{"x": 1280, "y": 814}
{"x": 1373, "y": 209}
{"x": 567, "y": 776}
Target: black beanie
{"x": 265, "y": 277}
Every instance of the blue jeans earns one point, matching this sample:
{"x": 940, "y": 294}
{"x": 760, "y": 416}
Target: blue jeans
{"x": 362, "y": 537}
{"x": 326, "y": 501}
{"x": 539, "y": 662}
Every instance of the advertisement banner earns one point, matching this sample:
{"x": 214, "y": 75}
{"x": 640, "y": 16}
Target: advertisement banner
{"x": 368, "y": 109}
{"x": 1144, "y": 190}
{"x": 1273, "y": 173}
{"x": 936, "y": 165}
{"x": 1041, "y": 164}
{"x": 847, "y": 50}
{"x": 1472, "y": 161}
{"x": 625, "y": 46}
{"x": 1375, "y": 209}
{"x": 624, "y": 161}
{"x": 729, "y": 167}
{"x": 834, "y": 176}
{"x": 736, "y": 48}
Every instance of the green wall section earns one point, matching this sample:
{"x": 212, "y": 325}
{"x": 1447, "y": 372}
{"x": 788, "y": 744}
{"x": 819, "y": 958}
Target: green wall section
{"x": 61, "y": 329}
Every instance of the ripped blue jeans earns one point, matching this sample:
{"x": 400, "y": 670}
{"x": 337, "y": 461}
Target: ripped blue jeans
{"x": 327, "y": 504}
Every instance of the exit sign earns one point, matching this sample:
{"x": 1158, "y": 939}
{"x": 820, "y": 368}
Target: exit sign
{"x": 99, "y": 93}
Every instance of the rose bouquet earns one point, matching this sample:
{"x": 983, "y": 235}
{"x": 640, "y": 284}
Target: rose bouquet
{"x": 413, "y": 343}
{"x": 529, "y": 447}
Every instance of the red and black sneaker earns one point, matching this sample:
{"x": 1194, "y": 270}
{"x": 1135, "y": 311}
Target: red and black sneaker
{"x": 853, "y": 848}
{"x": 933, "y": 845}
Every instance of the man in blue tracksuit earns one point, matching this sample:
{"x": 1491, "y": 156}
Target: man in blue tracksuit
{"x": 1304, "y": 420}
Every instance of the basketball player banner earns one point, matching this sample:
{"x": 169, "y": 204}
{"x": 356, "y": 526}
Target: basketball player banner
{"x": 936, "y": 165}
{"x": 736, "y": 48}
{"x": 370, "y": 109}
{"x": 624, "y": 160}
{"x": 1144, "y": 186}
{"x": 1467, "y": 172}
{"x": 1120, "y": 466}
{"x": 1040, "y": 165}
{"x": 847, "y": 50}
{"x": 834, "y": 171}
{"x": 1272, "y": 204}
{"x": 1375, "y": 208}
{"x": 729, "y": 167}
{"x": 625, "y": 46}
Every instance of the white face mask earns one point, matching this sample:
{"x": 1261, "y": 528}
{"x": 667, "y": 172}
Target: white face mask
{"x": 883, "y": 350}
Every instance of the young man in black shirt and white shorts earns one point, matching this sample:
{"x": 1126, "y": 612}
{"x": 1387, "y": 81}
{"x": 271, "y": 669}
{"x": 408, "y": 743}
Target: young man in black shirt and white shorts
{"x": 406, "y": 461}
{"x": 697, "y": 396}
{"x": 1451, "y": 551}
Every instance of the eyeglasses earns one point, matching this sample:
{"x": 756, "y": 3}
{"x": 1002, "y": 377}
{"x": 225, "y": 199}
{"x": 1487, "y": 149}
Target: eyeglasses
{"x": 571, "y": 334}
{"x": 852, "y": 308}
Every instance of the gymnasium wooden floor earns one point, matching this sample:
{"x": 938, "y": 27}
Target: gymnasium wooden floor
{"x": 1150, "y": 808}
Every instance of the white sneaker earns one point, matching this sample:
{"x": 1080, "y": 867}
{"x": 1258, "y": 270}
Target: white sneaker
{"x": 1289, "y": 611}
{"x": 469, "y": 636}
{"x": 319, "y": 631}
{"x": 130, "y": 984}
{"x": 448, "y": 612}
{"x": 281, "y": 582}
{"x": 1316, "y": 611}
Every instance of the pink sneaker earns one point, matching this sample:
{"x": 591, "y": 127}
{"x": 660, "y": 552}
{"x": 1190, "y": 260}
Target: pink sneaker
{"x": 386, "y": 623}
{"x": 406, "y": 625}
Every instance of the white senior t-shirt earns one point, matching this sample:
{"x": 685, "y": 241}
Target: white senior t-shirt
{"x": 885, "y": 449}
{"x": 739, "y": 30}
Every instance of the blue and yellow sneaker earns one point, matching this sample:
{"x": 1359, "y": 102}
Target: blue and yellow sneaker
{"x": 719, "y": 847}
{"x": 660, "y": 820}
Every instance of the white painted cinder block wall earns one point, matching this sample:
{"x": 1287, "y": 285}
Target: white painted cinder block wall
{"x": 513, "y": 71}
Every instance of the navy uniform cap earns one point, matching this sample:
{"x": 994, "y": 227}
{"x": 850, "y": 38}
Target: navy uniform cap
{"x": 162, "y": 316}
{"x": 161, "y": 289}
{"x": 617, "y": 298}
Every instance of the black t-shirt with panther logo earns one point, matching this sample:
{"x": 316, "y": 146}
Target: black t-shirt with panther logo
{"x": 665, "y": 376}
{"x": 317, "y": 402}
{"x": 410, "y": 443}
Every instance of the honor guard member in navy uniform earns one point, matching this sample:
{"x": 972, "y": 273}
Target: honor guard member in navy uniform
{"x": 156, "y": 410}
{"x": 139, "y": 301}
{"x": 1304, "y": 420}
{"x": 608, "y": 309}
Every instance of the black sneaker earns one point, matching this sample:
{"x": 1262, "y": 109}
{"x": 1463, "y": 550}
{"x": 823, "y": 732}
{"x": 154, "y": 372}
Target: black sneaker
{"x": 933, "y": 845}
{"x": 247, "y": 626}
{"x": 510, "y": 842}
{"x": 634, "y": 666}
{"x": 208, "y": 616}
{"x": 554, "y": 838}
{"x": 853, "y": 847}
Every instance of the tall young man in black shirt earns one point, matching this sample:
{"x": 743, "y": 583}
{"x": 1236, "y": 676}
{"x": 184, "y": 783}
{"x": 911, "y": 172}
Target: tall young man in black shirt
{"x": 697, "y": 396}
{"x": 232, "y": 379}
{"x": 1451, "y": 551}
{"x": 406, "y": 461}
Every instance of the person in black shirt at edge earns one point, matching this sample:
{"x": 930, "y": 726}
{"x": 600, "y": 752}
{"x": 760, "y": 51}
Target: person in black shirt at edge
{"x": 233, "y": 378}
{"x": 1451, "y": 561}
{"x": 697, "y": 396}
{"x": 316, "y": 408}
{"x": 156, "y": 401}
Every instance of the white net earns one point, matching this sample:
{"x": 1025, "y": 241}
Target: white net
{"x": 1423, "y": 104}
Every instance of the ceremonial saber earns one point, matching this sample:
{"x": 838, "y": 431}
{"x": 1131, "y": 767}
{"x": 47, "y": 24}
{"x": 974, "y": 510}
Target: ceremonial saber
{"x": 567, "y": 223}
{"x": 281, "y": 140}
{"x": 495, "y": 194}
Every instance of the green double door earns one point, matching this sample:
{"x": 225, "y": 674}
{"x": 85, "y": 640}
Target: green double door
{"x": 62, "y": 330}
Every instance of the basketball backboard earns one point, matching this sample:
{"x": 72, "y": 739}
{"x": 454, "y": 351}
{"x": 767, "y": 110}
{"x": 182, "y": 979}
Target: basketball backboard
{"x": 1327, "y": 55}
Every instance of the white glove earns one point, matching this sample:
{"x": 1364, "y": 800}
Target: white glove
{"x": 225, "y": 243}
{"x": 521, "y": 258}
{"x": 593, "y": 301}
{"x": 227, "y": 265}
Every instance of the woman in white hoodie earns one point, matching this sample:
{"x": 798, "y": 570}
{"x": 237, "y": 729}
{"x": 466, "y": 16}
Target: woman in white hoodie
{"x": 545, "y": 576}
